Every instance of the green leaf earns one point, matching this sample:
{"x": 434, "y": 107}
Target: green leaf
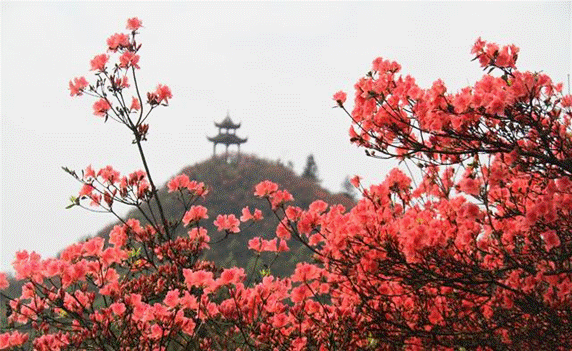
{"x": 135, "y": 253}
{"x": 74, "y": 201}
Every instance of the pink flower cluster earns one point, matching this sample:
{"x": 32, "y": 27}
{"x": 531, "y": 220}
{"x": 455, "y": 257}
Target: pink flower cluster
{"x": 114, "y": 79}
{"x": 340, "y": 97}
{"x": 129, "y": 59}
{"x": 490, "y": 54}
{"x": 247, "y": 215}
{"x": 118, "y": 41}
{"x": 228, "y": 223}
{"x": 268, "y": 189}
{"x": 77, "y": 86}
{"x": 161, "y": 94}
{"x": 134, "y": 23}
{"x": 195, "y": 214}
{"x": 98, "y": 63}
{"x": 12, "y": 339}
{"x": 262, "y": 245}
{"x": 109, "y": 185}
{"x": 182, "y": 182}
{"x": 101, "y": 107}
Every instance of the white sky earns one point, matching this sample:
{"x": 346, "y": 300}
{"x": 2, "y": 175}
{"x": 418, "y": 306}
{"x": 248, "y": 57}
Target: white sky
{"x": 275, "y": 66}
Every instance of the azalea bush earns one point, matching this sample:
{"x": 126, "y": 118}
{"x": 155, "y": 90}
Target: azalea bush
{"x": 470, "y": 251}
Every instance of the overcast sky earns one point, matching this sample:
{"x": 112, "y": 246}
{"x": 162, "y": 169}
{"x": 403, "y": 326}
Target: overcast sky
{"x": 274, "y": 66}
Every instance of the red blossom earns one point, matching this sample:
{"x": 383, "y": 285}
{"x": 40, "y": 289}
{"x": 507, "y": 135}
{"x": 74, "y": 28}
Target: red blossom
{"x": 227, "y": 222}
{"x": 300, "y": 293}
{"x": 118, "y": 41}
{"x": 118, "y": 236}
{"x": 280, "y": 197}
{"x": 265, "y": 188}
{"x": 305, "y": 272}
{"x": 134, "y": 24}
{"x": 478, "y": 46}
{"x": 129, "y": 59}
{"x": 231, "y": 276}
{"x": 77, "y": 86}
{"x": 340, "y": 97}
{"x": 172, "y": 298}
{"x": 355, "y": 180}
{"x": 551, "y": 239}
{"x": 199, "y": 235}
{"x": 283, "y": 246}
{"x": 280, "y": 320}
{"x": 121, "y": 83}
{"x": 12, "y": 339}
{"x": 3, "y": 281}
{"x": 318, "y": 206}
{"x": 246, "y": 215}
{"x": 135, "y": 105}
{"x": 98, "y": 62}
{"x": 283, "y": 231}
{"x": 163, "y": 93}
{"x": 109, "y": 175}
{"x": 118, "y": 309}
{"x": 255, "y": 244}
{"x": 199, "y": 278}
{"x": 179, "y": 182}
{"x": 100, "y": 107}
{"x": 195, "y": 214}
{"x": 89, "y": 173}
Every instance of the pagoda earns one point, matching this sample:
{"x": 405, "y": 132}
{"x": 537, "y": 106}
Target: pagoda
{"x": 227, "y": 135}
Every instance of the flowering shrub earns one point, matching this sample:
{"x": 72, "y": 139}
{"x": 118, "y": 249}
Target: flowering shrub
{"x": 475, "y": 255}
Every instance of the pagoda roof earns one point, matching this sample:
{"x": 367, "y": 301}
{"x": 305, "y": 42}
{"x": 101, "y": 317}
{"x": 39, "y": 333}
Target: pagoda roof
{"x": 227, "y": 139}
{"x": 227, "y": 123}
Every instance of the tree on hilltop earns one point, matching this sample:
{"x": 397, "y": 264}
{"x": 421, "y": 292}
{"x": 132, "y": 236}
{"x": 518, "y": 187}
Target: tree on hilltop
{"x": 311, "y": 169}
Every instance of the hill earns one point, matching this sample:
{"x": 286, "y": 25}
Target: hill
{"x": 231, "y": 187}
